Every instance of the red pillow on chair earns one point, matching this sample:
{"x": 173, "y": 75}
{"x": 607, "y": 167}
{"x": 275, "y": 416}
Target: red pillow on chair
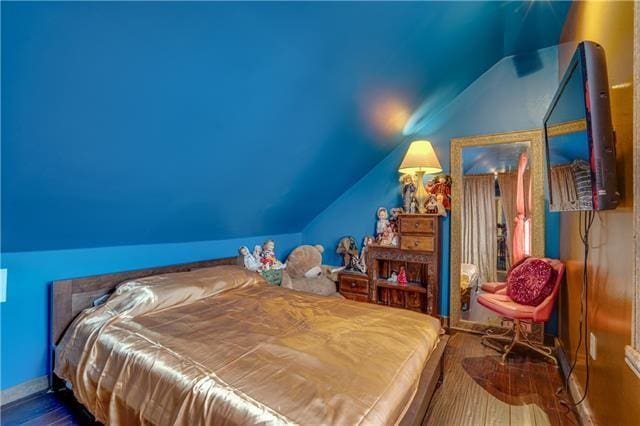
{"x": 530, "y": 282}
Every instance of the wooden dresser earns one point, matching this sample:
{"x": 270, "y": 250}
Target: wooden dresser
{"x": 419, "y": 254}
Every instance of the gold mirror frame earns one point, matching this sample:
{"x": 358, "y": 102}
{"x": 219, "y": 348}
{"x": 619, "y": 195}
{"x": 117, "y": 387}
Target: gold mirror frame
{"x": 535, "y": 139}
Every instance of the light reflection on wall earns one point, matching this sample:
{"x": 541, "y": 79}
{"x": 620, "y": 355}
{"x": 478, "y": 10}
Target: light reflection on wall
{"x": 387, "y": 115}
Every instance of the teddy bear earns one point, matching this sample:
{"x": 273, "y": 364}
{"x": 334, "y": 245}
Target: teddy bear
{"x": 305, "y": 272}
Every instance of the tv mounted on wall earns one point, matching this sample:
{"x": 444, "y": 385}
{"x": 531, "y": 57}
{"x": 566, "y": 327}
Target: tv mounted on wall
{"x": 579, "y": 136}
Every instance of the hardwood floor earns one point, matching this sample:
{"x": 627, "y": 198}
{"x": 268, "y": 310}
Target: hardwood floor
{"x": 477, "y": 390}
{"x": 60, "y": 409}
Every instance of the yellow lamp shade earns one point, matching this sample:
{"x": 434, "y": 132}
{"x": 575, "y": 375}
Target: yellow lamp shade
{"x": 420, "y": 158}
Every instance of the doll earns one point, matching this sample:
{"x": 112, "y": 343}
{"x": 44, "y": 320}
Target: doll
{"x": 257, "y": 252}
{"x": 442, "y": 211}
{"x": 362, "y": 259}
{"x": 402, "y": 276}
{"x": 383, "y": 221}
{"x": 413, "y": 208}
{"x": 408, "y": 191}
{"x": 393, "y": 278}
{"x": 250, "y": 262}
{"x": 268, "y": 256}
{"x": 432, "y": 205}
{"x": 441, "y": 185}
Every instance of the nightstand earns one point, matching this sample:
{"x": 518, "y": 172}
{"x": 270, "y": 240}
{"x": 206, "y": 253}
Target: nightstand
{"x": 354, "y": 286}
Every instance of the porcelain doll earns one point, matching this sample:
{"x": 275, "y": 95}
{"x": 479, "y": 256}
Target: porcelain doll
{"x": 383, "y": 221}
{"x": 268, "y": 256}
{"x": 402, "y": 276}
{"x": 362, "y": 259}
{"x": 257, "y": 252}
{"x": 432, "y": 205}
{"x": 442, "y": 211}
{"x": 408, "y": 191}
{"x": 413, "y": 208}
{"x": 393, "y": 278}
{"x": 441, "y": 185}
{"x": 250, "y": 262}
{"x": 394, "y": 222}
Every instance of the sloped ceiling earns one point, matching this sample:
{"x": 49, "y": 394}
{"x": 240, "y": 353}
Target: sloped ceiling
{"x": 137, "y": 123}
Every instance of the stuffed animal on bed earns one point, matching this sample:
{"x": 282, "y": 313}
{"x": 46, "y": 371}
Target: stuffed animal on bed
{"x": 305, "y": 272}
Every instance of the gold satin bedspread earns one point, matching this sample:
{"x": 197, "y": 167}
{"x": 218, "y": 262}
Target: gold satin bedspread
{"x": 220, "y": 346}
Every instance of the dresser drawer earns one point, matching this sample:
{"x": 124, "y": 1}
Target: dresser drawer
{"x": 417, "y": 225}
{"x": 417, "y": 242}
{"x": 354, "y": 284}
{"x": 356, "y": 297}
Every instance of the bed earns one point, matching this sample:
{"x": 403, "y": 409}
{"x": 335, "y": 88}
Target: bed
{"x": 213, "y": 343}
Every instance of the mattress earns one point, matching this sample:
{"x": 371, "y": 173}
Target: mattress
{"x": 221, "y": 346}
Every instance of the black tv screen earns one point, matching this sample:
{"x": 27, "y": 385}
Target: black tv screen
{"x": 579, "y": 137}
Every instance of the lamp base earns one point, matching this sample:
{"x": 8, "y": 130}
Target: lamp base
{"x": 421, "y": 193}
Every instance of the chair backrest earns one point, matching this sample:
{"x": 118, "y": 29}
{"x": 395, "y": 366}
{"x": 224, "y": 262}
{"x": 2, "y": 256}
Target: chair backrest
{"x": 542, "y": 312}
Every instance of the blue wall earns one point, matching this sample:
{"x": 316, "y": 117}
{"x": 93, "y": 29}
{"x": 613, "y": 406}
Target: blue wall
{"x": 24, "y": 317}
{"x": 503, "y": 99}
{"x": 152, "y": 122}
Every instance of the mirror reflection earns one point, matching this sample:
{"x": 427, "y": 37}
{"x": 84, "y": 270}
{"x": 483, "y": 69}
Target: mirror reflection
{"x": 495, "y": 207}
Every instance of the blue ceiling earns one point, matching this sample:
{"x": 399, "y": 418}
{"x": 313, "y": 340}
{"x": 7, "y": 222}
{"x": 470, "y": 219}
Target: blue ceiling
{"x": 137, "y": 123}
{"x": 499, "y": 158}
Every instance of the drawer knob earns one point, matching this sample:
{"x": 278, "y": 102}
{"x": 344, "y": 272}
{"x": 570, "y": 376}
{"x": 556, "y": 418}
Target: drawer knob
{"x": 416, "y": 225}
{"x": 353, "y": 284}
{"x": 415, "y": 243}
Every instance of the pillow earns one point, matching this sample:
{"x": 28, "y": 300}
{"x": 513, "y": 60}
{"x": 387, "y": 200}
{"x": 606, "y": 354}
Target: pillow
{"x": 530, "y": 282}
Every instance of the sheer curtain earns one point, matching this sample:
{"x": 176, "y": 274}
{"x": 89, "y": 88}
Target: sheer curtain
{"x": 563, "y": 188}
{"x": 479, "y": 245}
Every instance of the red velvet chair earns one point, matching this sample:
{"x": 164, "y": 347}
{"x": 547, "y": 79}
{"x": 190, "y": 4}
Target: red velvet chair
{"x": 502, "y": 304}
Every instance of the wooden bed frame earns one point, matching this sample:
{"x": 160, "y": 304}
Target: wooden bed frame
{"x": 70, "y": 297}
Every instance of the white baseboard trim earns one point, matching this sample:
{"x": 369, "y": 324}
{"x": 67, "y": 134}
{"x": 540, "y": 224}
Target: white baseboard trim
{"x": 632, "y": 357}
{"x": 584, "y": 409}
{"x": 22, "y": 390}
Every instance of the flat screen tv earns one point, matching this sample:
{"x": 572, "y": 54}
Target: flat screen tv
{"x": 579, "y": 136}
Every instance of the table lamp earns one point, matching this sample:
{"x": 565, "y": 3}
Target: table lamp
{"x": 420, "y": 159}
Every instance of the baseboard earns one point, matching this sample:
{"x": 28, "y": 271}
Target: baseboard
{"x": 23, "y": 390}
{"x": 584, "y": 409}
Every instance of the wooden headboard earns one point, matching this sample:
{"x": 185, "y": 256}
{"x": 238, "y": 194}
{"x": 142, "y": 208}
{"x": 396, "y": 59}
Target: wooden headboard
{"x": 70, "y": 297}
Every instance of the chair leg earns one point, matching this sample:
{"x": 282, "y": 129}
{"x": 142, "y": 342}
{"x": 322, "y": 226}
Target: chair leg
{"x": 516, "y": 339}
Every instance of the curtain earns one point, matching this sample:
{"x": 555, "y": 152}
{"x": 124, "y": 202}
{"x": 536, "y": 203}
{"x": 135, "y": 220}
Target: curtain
{"x": 479, "y": 245}
{"x": 563, "y": 188}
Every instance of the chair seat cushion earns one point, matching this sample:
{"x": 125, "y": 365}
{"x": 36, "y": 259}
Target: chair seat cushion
{"x": 531, "y": 282}
{"x": 503, "y": 305}
{"x": 493, "y": 286}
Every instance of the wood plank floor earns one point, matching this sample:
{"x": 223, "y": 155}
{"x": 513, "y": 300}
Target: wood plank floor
{"x": 477, "y": 390}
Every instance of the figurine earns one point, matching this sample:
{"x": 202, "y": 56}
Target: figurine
{"x": 402, "y": 276}
{"x": 348, "y": 249}
{"x": 408, "y": 191}
{"x": 432, "y": 205}
{"x": 441, "y": 185}
{"x": 413, "y": 208}
{"x": 442, "y": 211}
{"x": 383, "y": 221}
{"x": 394, "y": 222}
{"x": 362, "y": 259}
{"x": 393, "y": 278}
{"x": 268, "y": 256}
{"x": 257, "y": 252}
{"x": 250, "y": 262}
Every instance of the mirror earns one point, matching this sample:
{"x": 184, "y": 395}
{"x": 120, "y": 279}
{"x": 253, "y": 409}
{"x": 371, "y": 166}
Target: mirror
{"x": 486, "y": 171}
